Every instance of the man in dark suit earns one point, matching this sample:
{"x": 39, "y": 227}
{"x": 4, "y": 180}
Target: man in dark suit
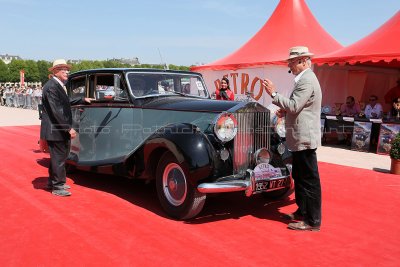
{"x": 56, "y": 126}
{"x": 303, "y": 136}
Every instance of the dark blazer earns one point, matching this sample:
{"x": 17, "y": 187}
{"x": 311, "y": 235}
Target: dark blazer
{"x": 56, "y": 113}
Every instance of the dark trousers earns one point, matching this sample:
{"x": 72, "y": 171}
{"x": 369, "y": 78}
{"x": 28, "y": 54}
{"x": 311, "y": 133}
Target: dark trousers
{"x": 307, "y": 185}
{"x": 59, "y": 151}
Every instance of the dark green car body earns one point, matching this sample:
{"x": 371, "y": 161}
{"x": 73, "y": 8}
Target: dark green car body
{"x": 157, "y": 124}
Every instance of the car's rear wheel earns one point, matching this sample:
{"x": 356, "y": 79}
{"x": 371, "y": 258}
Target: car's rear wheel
{"x": 178, "y": 197}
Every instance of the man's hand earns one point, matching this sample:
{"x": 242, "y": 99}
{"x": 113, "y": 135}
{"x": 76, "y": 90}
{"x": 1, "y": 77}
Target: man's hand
{"x": 269, "y": 86}
{"x": 280, "y": 113}
{"x": 88, "y": 100}
{"x": 72, "y": 133}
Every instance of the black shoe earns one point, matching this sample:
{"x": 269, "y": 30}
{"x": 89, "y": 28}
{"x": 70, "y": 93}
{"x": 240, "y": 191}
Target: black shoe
{"x": 293, "y": 216}
{"x": 61, "y": 193}
{"x": 303, "y": 226}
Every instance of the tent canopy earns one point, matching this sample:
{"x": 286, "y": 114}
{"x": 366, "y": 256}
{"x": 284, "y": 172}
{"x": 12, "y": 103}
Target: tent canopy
{"x": 380, "y": 48}
{"x": 291, "y": 24}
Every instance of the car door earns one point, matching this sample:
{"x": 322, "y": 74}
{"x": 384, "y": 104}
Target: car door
{"x": 103, "y": 137}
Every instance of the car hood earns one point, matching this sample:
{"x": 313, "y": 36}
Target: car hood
{"x": 190, "y": 104}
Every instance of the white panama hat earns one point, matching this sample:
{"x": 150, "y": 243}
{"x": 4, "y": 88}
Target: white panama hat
{"x": 60, "y": 63}
{"x": 299, "y": 51}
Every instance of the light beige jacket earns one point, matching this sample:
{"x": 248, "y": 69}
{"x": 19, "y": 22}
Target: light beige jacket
{"x": 303, "y": 113}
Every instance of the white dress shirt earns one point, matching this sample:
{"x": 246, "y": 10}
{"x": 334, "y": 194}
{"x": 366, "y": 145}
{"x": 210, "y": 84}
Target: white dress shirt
{"x": 377, "y": 109}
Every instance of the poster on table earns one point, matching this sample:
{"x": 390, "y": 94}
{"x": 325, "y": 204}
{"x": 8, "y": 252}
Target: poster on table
{"x": 361, "y": 136}
{"x": 387, "y": 133}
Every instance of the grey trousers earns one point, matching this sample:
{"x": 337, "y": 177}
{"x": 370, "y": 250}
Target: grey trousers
{"x": 59, "y": 151}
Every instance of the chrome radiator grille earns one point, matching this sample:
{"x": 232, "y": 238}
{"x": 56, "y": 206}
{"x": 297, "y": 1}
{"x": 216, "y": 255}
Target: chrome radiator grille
{"x": 252, "y": 134}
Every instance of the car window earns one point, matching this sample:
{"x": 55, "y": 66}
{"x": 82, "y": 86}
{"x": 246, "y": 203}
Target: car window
{"x": 108, "y": 87}
{"x": 151, "y": 84}
{"x": 165, "y": 85}
{"x": 78, "y": 87}
{"x": 194, "y": 86}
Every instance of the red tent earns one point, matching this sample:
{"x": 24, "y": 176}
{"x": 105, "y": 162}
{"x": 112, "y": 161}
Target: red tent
{"x": 291, "y": 24}
{"x": 380, "y": 48}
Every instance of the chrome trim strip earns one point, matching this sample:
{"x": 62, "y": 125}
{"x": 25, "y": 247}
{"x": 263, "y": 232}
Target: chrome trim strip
{"x": 235, "y": 185}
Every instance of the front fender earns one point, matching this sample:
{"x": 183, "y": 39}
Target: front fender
{"x": 189, "y": 145}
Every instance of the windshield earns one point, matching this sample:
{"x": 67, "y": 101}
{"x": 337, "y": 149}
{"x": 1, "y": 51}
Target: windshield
{"x": 150, "y": 84}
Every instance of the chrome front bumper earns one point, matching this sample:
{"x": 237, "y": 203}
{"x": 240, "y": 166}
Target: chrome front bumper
{"x": 234, "y": 183}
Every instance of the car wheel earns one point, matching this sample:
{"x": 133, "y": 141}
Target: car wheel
{"x": 179, "y": 198}
{"x": 281, "y": 193}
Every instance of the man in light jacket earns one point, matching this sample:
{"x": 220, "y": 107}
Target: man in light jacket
{"x": 303, "y": 136}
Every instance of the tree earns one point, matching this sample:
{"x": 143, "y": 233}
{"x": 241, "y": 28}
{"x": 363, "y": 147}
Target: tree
{"x": 14, "y": 67}
{"x": 3, "y": 72}
{"x": 43, "y": 69}
{"x": 38, "y": 71}
{"x": 31, "y": 71}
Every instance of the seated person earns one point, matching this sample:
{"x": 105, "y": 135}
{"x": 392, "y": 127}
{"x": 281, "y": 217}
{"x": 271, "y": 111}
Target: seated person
{"x": 393, "y": 93}
{"x": 395, "y": 111}
{"x": 350, "y": 109}
{"x": 373, "y": 110}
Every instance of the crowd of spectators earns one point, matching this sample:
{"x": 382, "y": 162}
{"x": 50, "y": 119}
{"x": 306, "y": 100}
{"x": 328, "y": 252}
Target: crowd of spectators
{"x": 21, "y": 97}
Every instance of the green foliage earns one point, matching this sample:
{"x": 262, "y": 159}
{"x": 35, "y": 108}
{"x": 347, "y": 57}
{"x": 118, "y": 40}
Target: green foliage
{"x": 395, "y": 148}
{"x": 43, "y": 68}
{"x": 31, "y": 71}
{"x": 13, "y": 69}
{"x": 37, "y": 71}
{"x": 3, "y": 71}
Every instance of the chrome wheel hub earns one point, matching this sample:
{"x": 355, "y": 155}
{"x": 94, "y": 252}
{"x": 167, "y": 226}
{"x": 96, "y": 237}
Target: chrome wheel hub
{"x": 174, "y": 184}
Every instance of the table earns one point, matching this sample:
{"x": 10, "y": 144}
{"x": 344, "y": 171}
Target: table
{"x": 360, "y": 134}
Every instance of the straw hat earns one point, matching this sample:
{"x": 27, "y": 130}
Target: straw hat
{"x": 299, "y": 51}
{"x": 60, "y": 63}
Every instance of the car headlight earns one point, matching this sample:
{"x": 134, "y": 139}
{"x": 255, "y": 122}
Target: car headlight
{"x": 262, "y": 156}
{"x": 225, "y": 127}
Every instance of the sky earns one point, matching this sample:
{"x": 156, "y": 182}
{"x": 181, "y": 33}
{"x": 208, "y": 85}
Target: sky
{"x": 176, "y": 32}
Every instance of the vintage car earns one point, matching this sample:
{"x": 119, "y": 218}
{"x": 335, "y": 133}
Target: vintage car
{"x": 162, "y": 125}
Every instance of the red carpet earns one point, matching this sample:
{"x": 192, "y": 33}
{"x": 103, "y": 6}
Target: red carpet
{"x": 111, "y": 221}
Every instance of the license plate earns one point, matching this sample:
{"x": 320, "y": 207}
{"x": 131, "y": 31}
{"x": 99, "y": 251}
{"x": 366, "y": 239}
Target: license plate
{"x": 271, "y": 184}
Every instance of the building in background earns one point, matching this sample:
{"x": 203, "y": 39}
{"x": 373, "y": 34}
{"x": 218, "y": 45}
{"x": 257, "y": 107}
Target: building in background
{"x": 8, "y": 58}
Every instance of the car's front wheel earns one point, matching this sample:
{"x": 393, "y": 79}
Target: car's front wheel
{"x": 179, "y": 198}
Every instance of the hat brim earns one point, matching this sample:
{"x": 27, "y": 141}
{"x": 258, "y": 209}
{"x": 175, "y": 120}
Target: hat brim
{"x": 302, "y": 55}
{"x": 60, "y": 66}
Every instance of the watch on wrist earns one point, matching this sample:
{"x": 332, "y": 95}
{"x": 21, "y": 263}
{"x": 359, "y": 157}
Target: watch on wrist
{"x": 273, "y": 94}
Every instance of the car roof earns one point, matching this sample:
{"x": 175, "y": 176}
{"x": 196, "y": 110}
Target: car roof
{"x": 119, "y": 70}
